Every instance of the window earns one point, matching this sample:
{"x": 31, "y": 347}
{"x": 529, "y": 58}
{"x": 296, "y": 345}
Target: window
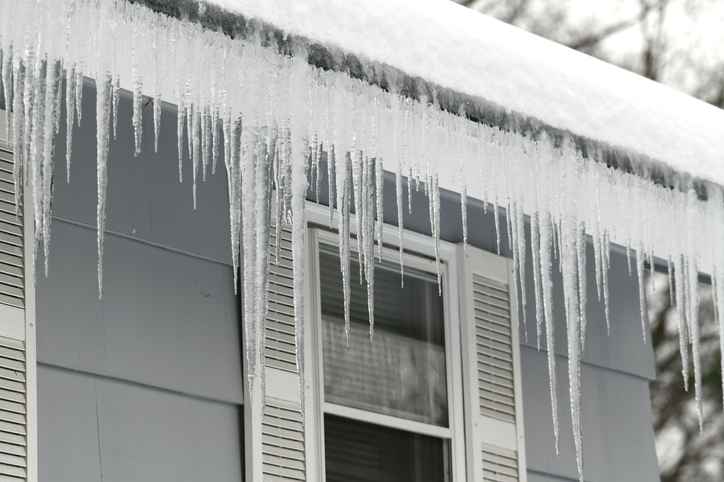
{"x": 389, "y": 407}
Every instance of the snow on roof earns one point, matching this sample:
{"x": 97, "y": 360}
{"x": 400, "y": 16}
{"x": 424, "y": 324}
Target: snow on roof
{"x": 479, "y": 56}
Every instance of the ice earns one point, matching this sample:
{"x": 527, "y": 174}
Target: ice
{"x": 546, "y": 271}
{"x": 400, "y": 221}
{"x": 103, "y": 108}
{"x": 6, "y": 75}
{"x": 643, "y": 311}
{"x": 273, "y": 114}
{"x": 69, "y": 119}
{"x": 536, "y": 264}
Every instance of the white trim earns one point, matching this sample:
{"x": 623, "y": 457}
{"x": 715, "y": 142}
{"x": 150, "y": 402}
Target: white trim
{"x": 31, "y": 377}
{"x": 414, "y": 244}
{"x": 314, "y": 418}
{"x": 387, "y": 420}
{"x": 517, "y": 375}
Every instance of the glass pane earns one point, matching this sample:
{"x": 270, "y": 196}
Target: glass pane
{"x": 401, "y": 372}
{"x": 362, "y": 452}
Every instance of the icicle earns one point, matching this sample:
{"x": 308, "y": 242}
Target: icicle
{"x": 156, "y": 120}
{"x": 464, "y": 214}
{"x": 203, "y": 144}
{"x": 535, "y": 259}
{"x": 316, "y": 152}
{"x": 400, "y": 221}
{"x": 180, "y": 137}
{"x": 58, "y": 97}
{"x": 409, "y": 192}
{"x": 718, "y": 286}
{"x": 344, "y": 194}
{"x": 369, "y": 241}
{"x": 670, "y": 276}
{"x": 248, "y": 255}
{"x": 379, "y": 201}
{"x": 261, "y": 219}
{"x": 233, "y": 174}
{"x": 48, "y": 137}
{"x": 103, "y": 108}
{"x": 78, "y": 94}
{"x": 693, "y": 305}
{"x": 570, "y": 292}
{"x": 194, "y": 137}
{"x": 582, "y": 294}
{"x": 215, "y": 148}
{"x": 605, "y": 265}
{"x": 137, "y": 115}
{"x": 546, "y": 272}
{"x": 436, "y": 229}
{"x": 116, "y": 94}
{"x": 331, "y": 182}
{"x": 18, "y": 122}
{"x": 520, "y": 246}
{"x": 496, "y": 215}
{"x": 681, "y": 315}
{"x": 8, "y": 82}
{"x": 628, "y": 258}
{"x": 643, "y": 310}
{"x": 69, "y": 119}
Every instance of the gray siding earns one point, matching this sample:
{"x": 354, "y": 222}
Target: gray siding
{"x": 145, "y": 384}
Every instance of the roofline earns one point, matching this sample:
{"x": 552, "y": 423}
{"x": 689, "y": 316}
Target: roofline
{"x": 390, "y": 78}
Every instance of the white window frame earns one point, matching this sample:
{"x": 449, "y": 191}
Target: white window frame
{"x": 419, "y": 254}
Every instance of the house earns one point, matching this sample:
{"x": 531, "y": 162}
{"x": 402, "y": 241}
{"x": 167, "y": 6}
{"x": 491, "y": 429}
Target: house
{"x": 148, "y": 352}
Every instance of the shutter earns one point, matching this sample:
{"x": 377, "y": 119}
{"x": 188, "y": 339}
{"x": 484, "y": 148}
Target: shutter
{"x": 13, "y": 394}
{"x": 12, "y": 288}
{"x": 282, "y": 440}
{"x": 13, "y": 429}
{"x": 493, "y": 403}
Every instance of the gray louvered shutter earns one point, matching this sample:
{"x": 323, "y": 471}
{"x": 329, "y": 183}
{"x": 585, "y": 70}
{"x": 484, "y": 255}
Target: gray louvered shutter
{"x": 283, "y": 455}
{"x": 13, "y": 400}
{"x": 12, "y": 271}
{"x": 493, "y": 400}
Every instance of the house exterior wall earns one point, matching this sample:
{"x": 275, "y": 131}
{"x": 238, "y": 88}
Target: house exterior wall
{"x": 146, "y": 384}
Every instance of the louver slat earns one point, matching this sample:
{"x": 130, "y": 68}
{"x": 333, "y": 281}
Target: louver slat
{"x": 282, "y": 442}
{"x": 279, "y": 337}
{"x": 499, "y": 465}
{"x": 12, "y": 287}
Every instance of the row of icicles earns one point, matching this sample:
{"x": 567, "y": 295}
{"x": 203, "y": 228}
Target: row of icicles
{"x": 275, "y": 161}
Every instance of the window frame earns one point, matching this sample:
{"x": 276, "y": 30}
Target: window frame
{"x": 419, "y": 254}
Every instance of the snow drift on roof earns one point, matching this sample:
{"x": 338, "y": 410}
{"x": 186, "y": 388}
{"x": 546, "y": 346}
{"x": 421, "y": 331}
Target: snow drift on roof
{"x": 476, "y": 55}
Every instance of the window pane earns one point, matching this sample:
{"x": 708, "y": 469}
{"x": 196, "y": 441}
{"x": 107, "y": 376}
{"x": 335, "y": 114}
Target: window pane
{"x": 401, "y": 372}
{"x": 362, "y": 452}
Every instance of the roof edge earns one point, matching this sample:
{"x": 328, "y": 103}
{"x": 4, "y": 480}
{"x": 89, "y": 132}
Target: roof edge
{"x": 390, "y": 78}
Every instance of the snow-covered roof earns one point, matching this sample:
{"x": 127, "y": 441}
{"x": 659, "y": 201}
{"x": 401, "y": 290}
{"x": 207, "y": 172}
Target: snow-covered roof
{"x": 258, "y": 104}
{"x": 479, "y": 56}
